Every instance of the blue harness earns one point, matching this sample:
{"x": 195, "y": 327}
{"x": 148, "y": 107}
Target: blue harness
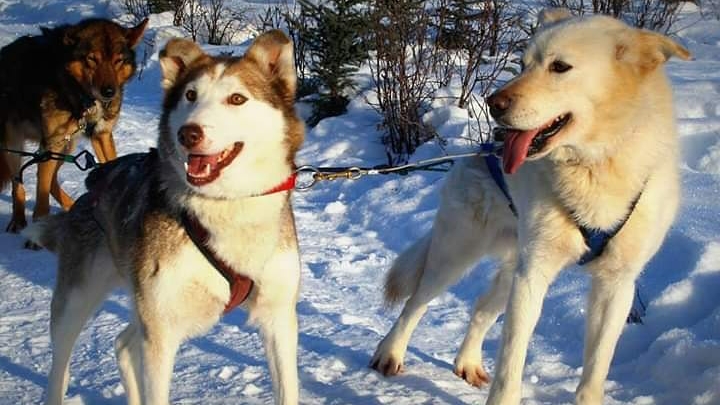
{"x": 595, "y": 239}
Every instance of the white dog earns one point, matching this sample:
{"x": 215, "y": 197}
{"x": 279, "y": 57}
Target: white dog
{"x": 590, "y": 147}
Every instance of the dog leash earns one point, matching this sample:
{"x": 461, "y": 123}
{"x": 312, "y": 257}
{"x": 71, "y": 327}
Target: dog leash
{"x": 84, "y": 160}
{"x": 309, "y": 176}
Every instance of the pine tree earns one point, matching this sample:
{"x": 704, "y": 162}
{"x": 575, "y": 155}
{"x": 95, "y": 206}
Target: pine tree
{"x": 334, "y": 40}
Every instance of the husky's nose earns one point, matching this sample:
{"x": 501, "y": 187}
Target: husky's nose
{"x": 499, "y": 102}
{"x": 190, "y": 135}
{"x": 107, "y": 92}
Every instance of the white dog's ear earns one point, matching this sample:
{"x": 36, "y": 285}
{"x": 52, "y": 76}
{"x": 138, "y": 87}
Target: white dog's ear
{"x": 550, "y": 16}
{"x": 176, "y": 57}
{"x": 273, "y": 52}
{"x": 647, "y": 50}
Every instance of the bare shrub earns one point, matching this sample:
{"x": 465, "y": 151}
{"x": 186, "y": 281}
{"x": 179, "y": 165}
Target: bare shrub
{"x": 402, "y": 73}
{"x": 485, "y": 36}
{"x": 139, "y": 9}
{"x": 658, "y": 15}
{"x": 210, "y": 21}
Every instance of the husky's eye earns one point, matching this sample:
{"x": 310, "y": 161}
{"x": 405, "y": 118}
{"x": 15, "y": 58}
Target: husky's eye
{"x": 559, "y": 67}
{"x": 236, "y": 99}
{"x": 191, "y": 95}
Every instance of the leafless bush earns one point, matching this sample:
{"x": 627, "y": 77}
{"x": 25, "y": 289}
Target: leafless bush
{"x": 658, "y": 15}
{"x": 271, "y": 18}
{"x": 402, "y": 72}
{"x": 210, "y": 21}
{"x": 486, "y": 38}
{"x": 139, "y": 9}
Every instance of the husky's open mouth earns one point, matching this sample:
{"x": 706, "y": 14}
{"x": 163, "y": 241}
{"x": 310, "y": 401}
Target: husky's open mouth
{"x": 520, "y": 144}
{"x": 203, "y": 169}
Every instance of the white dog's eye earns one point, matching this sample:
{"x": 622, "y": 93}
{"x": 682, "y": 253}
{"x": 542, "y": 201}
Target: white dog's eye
{"x": 559, "y": 67}
{"x": 191, "y": 95}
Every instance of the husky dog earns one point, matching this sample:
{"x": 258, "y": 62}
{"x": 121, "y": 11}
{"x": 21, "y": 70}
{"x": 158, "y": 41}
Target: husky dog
{"x": 55, "y": 86}
{"x": 590, "y": 147}
{"x": 179, "y": 225}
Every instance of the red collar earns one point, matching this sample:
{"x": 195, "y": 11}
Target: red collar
{"x": 288, "y": 184}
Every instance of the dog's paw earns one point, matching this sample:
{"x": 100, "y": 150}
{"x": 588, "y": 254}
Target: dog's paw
{"x": 16, "y": 225}
{"x": 473, "y": 374}
{"x": 387, "y": 365}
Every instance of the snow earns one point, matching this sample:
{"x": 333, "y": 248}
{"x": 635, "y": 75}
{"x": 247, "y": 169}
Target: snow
{"x": 350, "y": 231}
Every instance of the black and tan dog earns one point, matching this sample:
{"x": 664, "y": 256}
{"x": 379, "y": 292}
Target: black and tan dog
{"x": 55, "y": 86}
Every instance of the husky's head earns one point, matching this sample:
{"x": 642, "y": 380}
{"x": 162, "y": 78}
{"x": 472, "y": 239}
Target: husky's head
{"x": 581, "y": 85}
{"x": 101, "y": 55}
{"x": 229, "y": 127}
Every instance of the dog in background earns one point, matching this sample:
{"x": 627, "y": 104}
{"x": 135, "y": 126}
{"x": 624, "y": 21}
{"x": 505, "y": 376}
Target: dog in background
{"x": 178, "y": 225}
{"x": 590, "y": 145}
{"x": 55, "y": 86}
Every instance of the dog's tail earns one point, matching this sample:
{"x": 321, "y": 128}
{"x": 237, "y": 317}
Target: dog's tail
{"x": 407, "y": 270}
{"x": 44, "y": 231}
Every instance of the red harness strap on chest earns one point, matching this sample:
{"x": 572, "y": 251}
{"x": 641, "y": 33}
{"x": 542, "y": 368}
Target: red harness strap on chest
{"x": 240, "y": 286}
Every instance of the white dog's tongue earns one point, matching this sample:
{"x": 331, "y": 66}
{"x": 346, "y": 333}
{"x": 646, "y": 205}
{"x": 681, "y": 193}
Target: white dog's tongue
{"x": 515, "y": 148}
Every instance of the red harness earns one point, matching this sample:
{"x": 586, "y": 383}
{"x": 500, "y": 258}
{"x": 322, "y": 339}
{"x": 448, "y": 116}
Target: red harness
{"x": 240, "y": 286}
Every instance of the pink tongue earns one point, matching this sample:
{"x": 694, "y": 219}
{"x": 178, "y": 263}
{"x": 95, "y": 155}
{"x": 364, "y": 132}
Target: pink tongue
{"x": 196, "y": 163}
{"x": 515, "y": 149}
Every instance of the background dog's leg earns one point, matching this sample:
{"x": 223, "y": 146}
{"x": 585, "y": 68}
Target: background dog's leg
{"x": 45, "y": 173}
{"x": 17, "y": 222}
{"x": 104, "y": 146}
{"x": 609, "y": 303}
{"x": 13, "y": 163}
{"x": 468, "y": 363}
{"x": 58, "y": 193}
{"x": 280, "y": 333}
{"x": 523, "y": 310}
{"x": 128, "y": 351}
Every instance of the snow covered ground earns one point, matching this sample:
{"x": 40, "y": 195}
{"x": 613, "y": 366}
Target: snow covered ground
{"x": 350, "y": 231}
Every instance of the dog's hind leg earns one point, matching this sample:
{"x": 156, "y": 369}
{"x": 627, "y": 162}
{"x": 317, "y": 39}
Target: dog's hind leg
{"x": 609, "y": 303}
{"x": 13, "y": 162}
{"x": 468, "y": 363}
{"x": 72, "y": 305}
{"x": 457, "y": 243}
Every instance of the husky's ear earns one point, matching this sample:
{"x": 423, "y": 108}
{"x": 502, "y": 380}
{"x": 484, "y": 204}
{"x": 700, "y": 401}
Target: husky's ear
{"x": 135, "y": 34}
{"x": 551, "y": 16}
{"x": 273, "y": 51}
{"x": 178, "y": 54}
{"x": 646, "y": 50}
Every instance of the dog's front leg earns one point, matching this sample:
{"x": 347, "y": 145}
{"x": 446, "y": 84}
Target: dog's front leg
{"x": 158, "y": 356}
{"x": 279, "y": 329}
{"x": 104, "y": 146}
{"x": 609, "y": 303}
{"x": 529, "y": 287}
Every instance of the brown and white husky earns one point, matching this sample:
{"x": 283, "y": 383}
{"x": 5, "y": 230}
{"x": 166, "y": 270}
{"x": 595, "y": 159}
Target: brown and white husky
{"x": 192, "y": 228}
